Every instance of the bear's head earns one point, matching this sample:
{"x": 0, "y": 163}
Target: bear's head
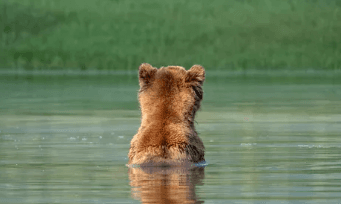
{"x": 170, "y": 94}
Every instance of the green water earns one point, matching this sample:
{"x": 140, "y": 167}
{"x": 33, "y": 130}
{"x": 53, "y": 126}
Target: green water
{"x": 65, "y": 139}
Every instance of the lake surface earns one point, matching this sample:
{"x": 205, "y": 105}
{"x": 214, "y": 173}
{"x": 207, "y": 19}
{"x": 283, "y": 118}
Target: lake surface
{"x": 268, "y": 139}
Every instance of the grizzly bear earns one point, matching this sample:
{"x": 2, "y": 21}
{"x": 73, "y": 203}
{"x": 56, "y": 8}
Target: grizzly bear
{"x": 169, "y": 98}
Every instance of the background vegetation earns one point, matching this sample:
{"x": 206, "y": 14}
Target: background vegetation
{"x": 219, "y": 34}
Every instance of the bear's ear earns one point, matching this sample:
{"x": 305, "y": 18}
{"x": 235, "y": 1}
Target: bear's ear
{"x": 196, "y": 73}
{"x": 146, "y": 73}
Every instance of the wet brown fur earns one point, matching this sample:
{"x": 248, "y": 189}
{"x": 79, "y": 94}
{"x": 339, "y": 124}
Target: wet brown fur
{"x": 169, "y": 98}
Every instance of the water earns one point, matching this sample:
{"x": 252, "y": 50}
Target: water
{"x": 65, "y": 139}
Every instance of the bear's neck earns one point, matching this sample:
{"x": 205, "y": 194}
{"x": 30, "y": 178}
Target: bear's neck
{"x": 166, "y": 117}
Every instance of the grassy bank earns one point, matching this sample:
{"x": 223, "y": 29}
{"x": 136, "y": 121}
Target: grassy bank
{"x": 219, "y": 34}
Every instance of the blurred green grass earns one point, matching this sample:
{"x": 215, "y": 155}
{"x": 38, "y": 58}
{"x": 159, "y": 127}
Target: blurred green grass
{"x": 120, "y": 34}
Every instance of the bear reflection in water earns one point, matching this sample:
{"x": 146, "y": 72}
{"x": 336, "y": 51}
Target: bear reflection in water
{"x": 166, "y": 184}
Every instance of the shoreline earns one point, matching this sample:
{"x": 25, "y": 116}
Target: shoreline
{"x": 215, "y": 73}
